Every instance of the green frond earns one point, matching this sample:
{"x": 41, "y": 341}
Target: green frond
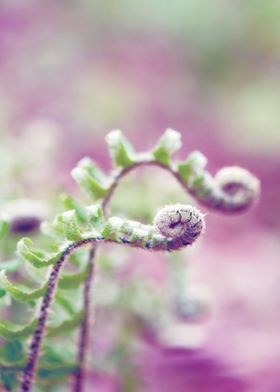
{"x": 37, "y": 257}
{"x": 91, "y": 179}
{"x": 120, "y": 148}
{"x": 65, "y": 326}
{"x": 169, "y": 143}
{"x": 4, "y": 228}
{"x": 11, "y": 331}
{"x": 69, "y": 222}
{"x": 192, "y": 166}
{"x": 72, "y": 281}
{"x": 19, "y": 294}
{"x": 71, "y": 204}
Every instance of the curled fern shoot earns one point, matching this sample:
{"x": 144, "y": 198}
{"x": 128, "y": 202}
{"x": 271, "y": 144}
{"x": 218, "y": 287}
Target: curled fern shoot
{"x": 177, "y": 226}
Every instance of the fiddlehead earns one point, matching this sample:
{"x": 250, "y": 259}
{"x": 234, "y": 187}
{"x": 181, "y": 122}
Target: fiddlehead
{"x": 240, "y": 187}
{"x": 182, "y": 224}
{"x": 213, "y": 192}
{"x": 174, "y": 227}
{"x": 178, "y": 225}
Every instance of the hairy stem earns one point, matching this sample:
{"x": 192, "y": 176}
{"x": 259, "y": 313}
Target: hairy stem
{"x": 84, "y": 330}
{"x": 220, "y": 199}
{"x": 85, "y": 326}
{"x": 84, "y": 338}
{"x": 217, "y": 195}
{"x": 174, "y": 227}
{"x": 34, "y": 350}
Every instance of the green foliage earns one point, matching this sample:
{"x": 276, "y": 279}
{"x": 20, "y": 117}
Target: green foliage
{"x": 66, "y": 326}
{"x": 91, "y": 179}
{"x": 11, "y": 265}
{"x": 71, "y": 204}
{"x": 120, "y": 230}
{"x": 169, "y": 143}
{"x": 79, "y": 223}
{"x": 192, "y": 166}
{"x": 19, "y": 294}
{"x": 95, "y": 217}
{"x": 112, "y": 228}
{"x": 9, "y": 379}
{"x": 11, "y": 331}
{"x": 120, "y": 149}
{"x": 4, "y": 228}
{"x": 71, "y": 229}
{"x": 37, "y": 257}
{"x": 12, "y": 352}
{"x": 72, "y": 281}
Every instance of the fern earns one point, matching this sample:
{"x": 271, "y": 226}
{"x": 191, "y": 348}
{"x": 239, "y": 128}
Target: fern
{"x": 230, "y": 190}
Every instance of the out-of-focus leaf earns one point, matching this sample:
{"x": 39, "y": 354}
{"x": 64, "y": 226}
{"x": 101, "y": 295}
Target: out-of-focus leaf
{"x": 91, "y": 179}
{"x": 11, "y": 265}
{"x": 169, "y": 143}
{"x": 65, "y": 303}
{"x": 2, "y": 293}
{"x": 193, "y": 165}
{"x": 12, "y": 352}
{"x": 72, "y": 281}
{"x": 65, "y": 326}
{"x": 70, "y": 225}
{"x": 9, "y": 379}
{"x": 19, "y": 294}
{"x": 4, "y": 228}
{"x": 120, "y": 149}
{"x": 37, "y": 257}
{"x": 57, "y": 371}
{"x": 11, "y": 331}
{"x": 71, "y": 204}
{"x": 112, "y": 228}
{"x": 54, "y": 355}
{"x": 95, "y": 217}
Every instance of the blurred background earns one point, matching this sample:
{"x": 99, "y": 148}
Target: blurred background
{"x": 70, "y": 71}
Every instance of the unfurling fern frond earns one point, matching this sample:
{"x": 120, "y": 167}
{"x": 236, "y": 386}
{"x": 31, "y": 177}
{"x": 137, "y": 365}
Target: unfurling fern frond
{"x": 176, "y": 226}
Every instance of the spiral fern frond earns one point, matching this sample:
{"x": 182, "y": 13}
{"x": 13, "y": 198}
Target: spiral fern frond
{"x": 231, "y": 190}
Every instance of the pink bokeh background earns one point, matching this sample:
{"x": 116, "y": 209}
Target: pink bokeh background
{"x": 72, "y": 71}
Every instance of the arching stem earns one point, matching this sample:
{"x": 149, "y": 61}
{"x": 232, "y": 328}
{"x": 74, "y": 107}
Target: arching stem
{"x": 84, "y": 338}
{"x": 174, "y": 227}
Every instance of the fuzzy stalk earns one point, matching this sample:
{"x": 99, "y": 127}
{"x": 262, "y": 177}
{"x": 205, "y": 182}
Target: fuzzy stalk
{"x": 232, "y": 190}
{"x": 174, "y": 227}
{"x": 84, "y": 333}
{"x": 34, "y": 350}
{"x": 84, "y": 337}
{"x": 78, "y": 383}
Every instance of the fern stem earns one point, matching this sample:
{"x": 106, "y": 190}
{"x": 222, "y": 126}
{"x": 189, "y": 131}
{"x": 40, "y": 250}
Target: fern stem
{"x": 174, "y": 227}
{"x": 84, "y": 329}
{"x": 232, "y": 189}
{"x": 85, "y": 326}
{"x": 34, "y": 350}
